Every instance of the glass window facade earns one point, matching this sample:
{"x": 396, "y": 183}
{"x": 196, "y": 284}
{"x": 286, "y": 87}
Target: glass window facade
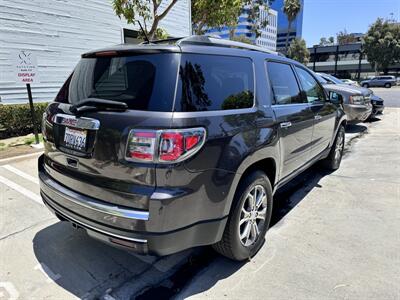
{"x": 283, "y": 23}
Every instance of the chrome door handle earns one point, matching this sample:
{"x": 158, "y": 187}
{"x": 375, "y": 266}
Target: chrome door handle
{"x": 317, "y": 117}
{"x": 286, "y": 124}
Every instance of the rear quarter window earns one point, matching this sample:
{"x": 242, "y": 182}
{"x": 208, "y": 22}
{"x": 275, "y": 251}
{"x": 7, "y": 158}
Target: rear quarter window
{"x": 210, "y": 83}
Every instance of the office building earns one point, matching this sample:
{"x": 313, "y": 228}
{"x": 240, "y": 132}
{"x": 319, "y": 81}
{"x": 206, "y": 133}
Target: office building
{"x": 267, "y": 38}
{"x": 344, "y": 61}
{"x": 283, "y": 24}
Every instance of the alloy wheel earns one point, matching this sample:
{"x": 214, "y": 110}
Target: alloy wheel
{"x": 339, "y": 146}
{"x": 253, "y": 215}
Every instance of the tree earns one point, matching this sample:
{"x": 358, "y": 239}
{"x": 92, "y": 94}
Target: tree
{"x": 214, "y": 14}
{"x": 298, "y": 51}
{"x": 382, "y": 44}
{"x": 323, "y": 41}
{"x": 327, "y": 42}
{"x": 254, "y": 8}
{"x": 147, "y": 11}
{"x": 291, "y": 8}
{"x": 208, "y": 14}
{"x": 345, "y": 38}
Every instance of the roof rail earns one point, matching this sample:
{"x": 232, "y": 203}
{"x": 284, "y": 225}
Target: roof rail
{"x": 218, "y": 42}
{"x": 164, "y": 41}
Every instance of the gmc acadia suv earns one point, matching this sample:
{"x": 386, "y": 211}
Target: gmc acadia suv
{"x": 164, "y": 146}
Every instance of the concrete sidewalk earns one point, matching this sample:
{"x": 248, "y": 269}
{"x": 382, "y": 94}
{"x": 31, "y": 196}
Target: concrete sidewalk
{"x": 340, "y": 238}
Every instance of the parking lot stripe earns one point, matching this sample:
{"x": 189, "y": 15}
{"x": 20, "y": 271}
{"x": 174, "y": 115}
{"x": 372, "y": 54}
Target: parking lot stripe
{"x": 21, "y": 174}
{"x": 21, "y": 190}
{"x": 3, "y": 160}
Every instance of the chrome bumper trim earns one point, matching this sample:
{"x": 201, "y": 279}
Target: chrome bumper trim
{"x": 92, "y": 204}
{"x": 87, "y": 226}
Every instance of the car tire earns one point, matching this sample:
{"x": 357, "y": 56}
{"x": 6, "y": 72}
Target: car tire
{"x": 245, "y": 230}
{"x": 332, "y": 162}
{"x": 365, "y": 85}
{"x": 388, "y": 85}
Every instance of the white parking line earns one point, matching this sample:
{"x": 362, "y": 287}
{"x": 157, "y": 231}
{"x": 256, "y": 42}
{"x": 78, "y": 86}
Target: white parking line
{"x": 21, "y": 190}
{"x": 21, "y": 174}
{"x": 19, "y": 157}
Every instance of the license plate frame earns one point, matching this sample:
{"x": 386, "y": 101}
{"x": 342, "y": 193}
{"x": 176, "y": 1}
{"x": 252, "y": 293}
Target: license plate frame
{"x": 75, "y": 139}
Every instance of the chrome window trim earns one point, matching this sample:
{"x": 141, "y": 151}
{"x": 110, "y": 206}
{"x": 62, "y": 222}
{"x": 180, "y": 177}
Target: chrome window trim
{"x": 291, "y": 104}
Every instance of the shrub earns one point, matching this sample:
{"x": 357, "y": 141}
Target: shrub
{"x": 16, "y": 120}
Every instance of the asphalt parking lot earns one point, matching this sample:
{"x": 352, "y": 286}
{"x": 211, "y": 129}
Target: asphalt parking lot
{"x": 333, "y": 236}
{"x": 391, "y": 96}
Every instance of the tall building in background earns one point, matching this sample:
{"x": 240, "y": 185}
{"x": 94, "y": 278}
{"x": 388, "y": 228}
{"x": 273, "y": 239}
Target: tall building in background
{"x": 283, "y": 24}
{"x": 267, "y": 38}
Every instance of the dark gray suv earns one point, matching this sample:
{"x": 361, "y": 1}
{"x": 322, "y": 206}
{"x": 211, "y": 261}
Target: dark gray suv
{"x": 169, "y": 145}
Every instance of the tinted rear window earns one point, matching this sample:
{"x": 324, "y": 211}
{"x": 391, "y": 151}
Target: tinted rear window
{"x": 144, "y": 82}
{"x": 209, "y": 82}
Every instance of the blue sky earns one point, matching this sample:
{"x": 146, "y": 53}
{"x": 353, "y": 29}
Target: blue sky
{"x": 324, "y": 18}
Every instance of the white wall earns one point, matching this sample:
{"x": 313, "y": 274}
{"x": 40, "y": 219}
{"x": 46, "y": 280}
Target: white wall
{"x": 59, "y": 31}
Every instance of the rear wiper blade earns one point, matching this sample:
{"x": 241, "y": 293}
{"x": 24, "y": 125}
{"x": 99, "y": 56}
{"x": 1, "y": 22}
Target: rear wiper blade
{"x": 95, "y": 104}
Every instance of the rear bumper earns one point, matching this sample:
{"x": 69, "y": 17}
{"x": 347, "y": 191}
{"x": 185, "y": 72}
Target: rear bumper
{"x": 126, "y": 227}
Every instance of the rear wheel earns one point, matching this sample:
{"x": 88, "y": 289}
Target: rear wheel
{"x": 332, "y": 162}
{"x": 388, "y": 85}
{"x": 365, "y": 85}
{"x": 249, "y": 218}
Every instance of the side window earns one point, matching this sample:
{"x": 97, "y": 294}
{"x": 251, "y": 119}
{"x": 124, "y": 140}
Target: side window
{"x": 210, "y": 83}
{"x": 313, "y": 90}
{"x": 284, "y": 83}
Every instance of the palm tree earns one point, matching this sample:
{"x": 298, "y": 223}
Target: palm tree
{"x": 291, "y": 8}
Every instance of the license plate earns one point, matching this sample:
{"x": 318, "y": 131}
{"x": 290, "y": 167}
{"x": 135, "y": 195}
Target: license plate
{"x": 75, "y": 139}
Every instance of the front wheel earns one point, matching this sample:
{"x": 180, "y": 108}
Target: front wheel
{"x": 332, "y": 162}
{"x": 249, "y": 218}
{"x": 365, "y": 85}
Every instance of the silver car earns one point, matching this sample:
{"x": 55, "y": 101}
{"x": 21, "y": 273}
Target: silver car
{"x": 356, "y": 100}
{"x": 379, "y": 81}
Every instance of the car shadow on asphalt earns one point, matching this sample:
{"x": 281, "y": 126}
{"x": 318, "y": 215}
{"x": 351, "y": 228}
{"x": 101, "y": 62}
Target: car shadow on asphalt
{"x": 373, "y": 119}
{"x": 82, "y": 265}
{"x": 86, "y": 267}
{"x": 356, "y": 128}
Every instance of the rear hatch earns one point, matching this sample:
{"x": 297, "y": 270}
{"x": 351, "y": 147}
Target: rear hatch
{"x": 86, "y": 129}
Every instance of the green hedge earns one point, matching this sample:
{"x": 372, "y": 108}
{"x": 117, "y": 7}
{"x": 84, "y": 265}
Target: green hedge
{"x": 15, "y": 119}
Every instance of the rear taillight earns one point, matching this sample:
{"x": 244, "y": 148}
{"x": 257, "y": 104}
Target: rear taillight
{"x": 164, "y": 146}
{"x": 141, "y": 145}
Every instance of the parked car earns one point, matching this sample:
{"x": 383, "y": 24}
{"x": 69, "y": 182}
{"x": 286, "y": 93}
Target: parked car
{"x": 356, "y": 100}
{"x": 377, "y": 105}
{"x": 350, "y": 82}
{"x": 380, "y": 81}
{"x": 161, "y": 147}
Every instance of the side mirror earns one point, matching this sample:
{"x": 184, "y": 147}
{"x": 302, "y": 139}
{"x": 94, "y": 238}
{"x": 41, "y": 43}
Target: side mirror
{"x": 335, "y": 98}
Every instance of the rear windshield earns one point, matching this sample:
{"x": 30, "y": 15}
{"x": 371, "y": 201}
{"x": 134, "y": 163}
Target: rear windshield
{"x": 143, "y": 82}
